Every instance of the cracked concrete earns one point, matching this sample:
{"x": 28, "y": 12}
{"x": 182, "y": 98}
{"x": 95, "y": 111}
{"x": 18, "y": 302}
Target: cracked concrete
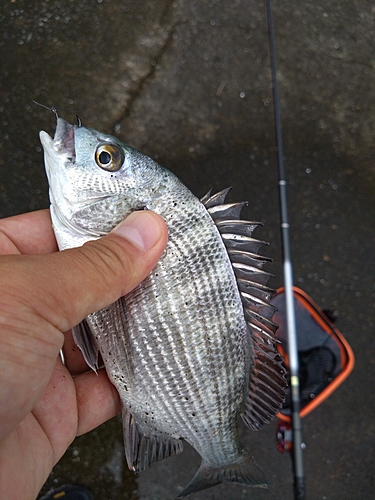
{"x": 141, "y": 80}
{"x": 189, "y": 84}
{"x": 137, "y": 69}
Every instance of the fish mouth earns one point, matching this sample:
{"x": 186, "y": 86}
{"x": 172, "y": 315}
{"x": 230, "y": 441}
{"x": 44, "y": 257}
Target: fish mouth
{"x": 63, "y": 140}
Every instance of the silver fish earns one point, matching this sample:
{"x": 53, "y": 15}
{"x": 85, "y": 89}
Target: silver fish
{"x": 192, "y": 347}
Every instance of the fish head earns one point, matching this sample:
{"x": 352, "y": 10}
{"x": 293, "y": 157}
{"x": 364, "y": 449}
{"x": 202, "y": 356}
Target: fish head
{"x": 95, "y": 181}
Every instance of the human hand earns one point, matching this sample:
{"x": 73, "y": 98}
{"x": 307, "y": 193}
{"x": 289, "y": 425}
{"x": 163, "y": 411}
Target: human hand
{"x": 44, "y": 405}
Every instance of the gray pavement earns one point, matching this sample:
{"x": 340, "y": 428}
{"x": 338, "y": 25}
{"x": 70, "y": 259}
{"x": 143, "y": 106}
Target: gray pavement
{"x": 189, "y": 84}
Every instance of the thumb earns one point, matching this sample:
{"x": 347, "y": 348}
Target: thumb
{"x": 64, "y": 287}
{"x": 98, "y": 273}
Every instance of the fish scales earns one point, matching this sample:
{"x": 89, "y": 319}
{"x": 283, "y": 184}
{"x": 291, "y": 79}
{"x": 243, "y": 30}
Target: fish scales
{"x": 197, "y": 358}
{"x": 191, "y": 348}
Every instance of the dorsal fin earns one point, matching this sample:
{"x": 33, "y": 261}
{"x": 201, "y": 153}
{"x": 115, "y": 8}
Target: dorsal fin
{"x": 267, "y": 380}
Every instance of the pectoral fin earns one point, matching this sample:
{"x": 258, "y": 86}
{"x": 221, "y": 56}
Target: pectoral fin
{"x": 84, "y": 339}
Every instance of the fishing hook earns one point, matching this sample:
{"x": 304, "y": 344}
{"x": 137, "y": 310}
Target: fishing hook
{"x": 53, "y": 109}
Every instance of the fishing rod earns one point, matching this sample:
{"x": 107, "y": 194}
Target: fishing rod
{"x": 297, "y": 451}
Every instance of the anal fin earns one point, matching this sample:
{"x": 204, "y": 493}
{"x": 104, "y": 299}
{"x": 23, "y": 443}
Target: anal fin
{"x": 142, "y": 451}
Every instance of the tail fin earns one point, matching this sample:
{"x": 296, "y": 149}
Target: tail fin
{"x": 243, "y": 471}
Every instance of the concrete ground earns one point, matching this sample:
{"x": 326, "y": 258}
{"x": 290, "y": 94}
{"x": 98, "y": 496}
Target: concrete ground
{"x": 188, "y": 82}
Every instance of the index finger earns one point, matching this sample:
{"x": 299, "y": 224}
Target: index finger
{"x": 29, "y": 233}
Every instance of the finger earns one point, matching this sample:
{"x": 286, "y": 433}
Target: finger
{"x": 56, "y": 410}
{"x": 29, "y": 233}
{"x": 97, "y": 400}
{"x": 71, "y": 407}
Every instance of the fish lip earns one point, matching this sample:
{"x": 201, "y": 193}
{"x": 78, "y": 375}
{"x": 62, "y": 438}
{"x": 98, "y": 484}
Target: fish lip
{"x": 63, "y": 140}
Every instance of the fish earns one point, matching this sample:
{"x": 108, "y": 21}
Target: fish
{"x": 193, "y": 346}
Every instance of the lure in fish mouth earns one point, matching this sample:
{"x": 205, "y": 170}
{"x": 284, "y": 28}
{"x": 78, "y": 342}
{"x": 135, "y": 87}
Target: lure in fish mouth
{"x": 192, "y": 347}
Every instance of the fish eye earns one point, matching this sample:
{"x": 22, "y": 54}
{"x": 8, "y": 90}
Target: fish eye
{"x": 109, "y": 157}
